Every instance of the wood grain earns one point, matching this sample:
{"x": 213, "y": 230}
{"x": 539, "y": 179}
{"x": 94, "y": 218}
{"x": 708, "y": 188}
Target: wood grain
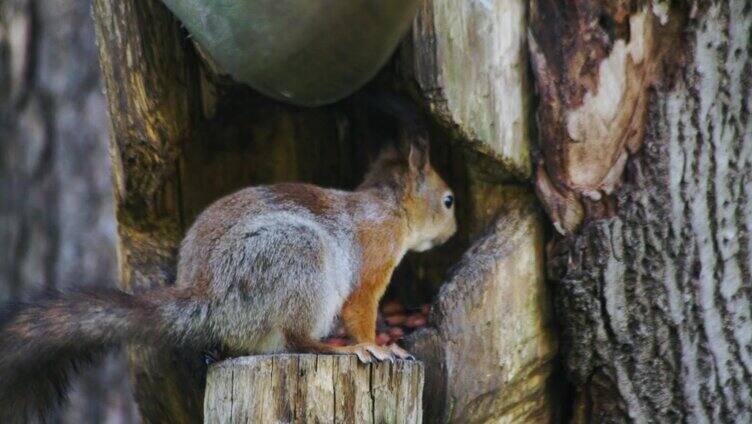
{"x": 313, "y": 389}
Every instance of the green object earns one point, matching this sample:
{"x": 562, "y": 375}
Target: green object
{"x": 305, "y": 52}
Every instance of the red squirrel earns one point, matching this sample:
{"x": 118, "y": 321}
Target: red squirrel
{"x": 267, "y": 269}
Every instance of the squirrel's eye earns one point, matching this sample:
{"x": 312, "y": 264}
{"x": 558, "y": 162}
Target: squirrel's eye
{"x": 448, "y": 201}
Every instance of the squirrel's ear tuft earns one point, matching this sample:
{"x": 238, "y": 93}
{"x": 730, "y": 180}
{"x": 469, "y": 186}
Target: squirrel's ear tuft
{"x": 418, "y": 155}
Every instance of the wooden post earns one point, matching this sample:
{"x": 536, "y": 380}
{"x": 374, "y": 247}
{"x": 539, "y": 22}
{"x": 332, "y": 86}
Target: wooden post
{"x": 313, "y": 389}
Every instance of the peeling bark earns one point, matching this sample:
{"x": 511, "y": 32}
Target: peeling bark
{"x": 594, "y": 64}
{"x": 655, "y": 301}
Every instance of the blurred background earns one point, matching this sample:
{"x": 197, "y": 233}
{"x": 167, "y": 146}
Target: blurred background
{"x": 57, "y": 225}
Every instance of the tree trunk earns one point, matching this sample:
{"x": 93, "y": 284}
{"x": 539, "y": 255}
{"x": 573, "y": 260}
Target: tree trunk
{"x": 57, "y": 228}
{"x": 653, "y": 278}
{"x": 313, "y": 389}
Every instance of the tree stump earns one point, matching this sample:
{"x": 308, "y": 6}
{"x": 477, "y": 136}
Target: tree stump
{"x": 313, "y": 389}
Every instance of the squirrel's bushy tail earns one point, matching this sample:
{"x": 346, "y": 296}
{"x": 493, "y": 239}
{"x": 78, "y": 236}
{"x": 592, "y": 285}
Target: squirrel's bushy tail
{"x": 42, "y": 342}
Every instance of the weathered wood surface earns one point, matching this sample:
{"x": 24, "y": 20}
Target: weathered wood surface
{"x": 313, "y": 389}
{"x": 468, "y": 62}
{"x": 654, "y": 299}
{"x": 490, "y": 354}
{"x": 152, "y": 90}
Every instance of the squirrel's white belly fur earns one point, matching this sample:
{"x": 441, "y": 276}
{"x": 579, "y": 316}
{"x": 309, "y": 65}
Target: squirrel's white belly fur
{"x": 272, "y": 266}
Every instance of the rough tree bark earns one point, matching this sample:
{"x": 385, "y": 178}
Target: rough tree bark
{"x": 653, "y": 280}
{"x": 57, "y": 228}
{"x": 313, "y": 389}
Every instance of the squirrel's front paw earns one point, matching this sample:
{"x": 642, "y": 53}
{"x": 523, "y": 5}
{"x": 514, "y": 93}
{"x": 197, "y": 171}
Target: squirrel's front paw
{"x": 369, "y": 352}
{"x": 399, "y": 352}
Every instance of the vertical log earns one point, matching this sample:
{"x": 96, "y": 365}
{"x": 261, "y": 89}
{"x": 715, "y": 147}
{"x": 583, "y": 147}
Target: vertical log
{"x": 151, "y": 86}
{"x": 468, "y": 63}
{"x": 313, "y": 389}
